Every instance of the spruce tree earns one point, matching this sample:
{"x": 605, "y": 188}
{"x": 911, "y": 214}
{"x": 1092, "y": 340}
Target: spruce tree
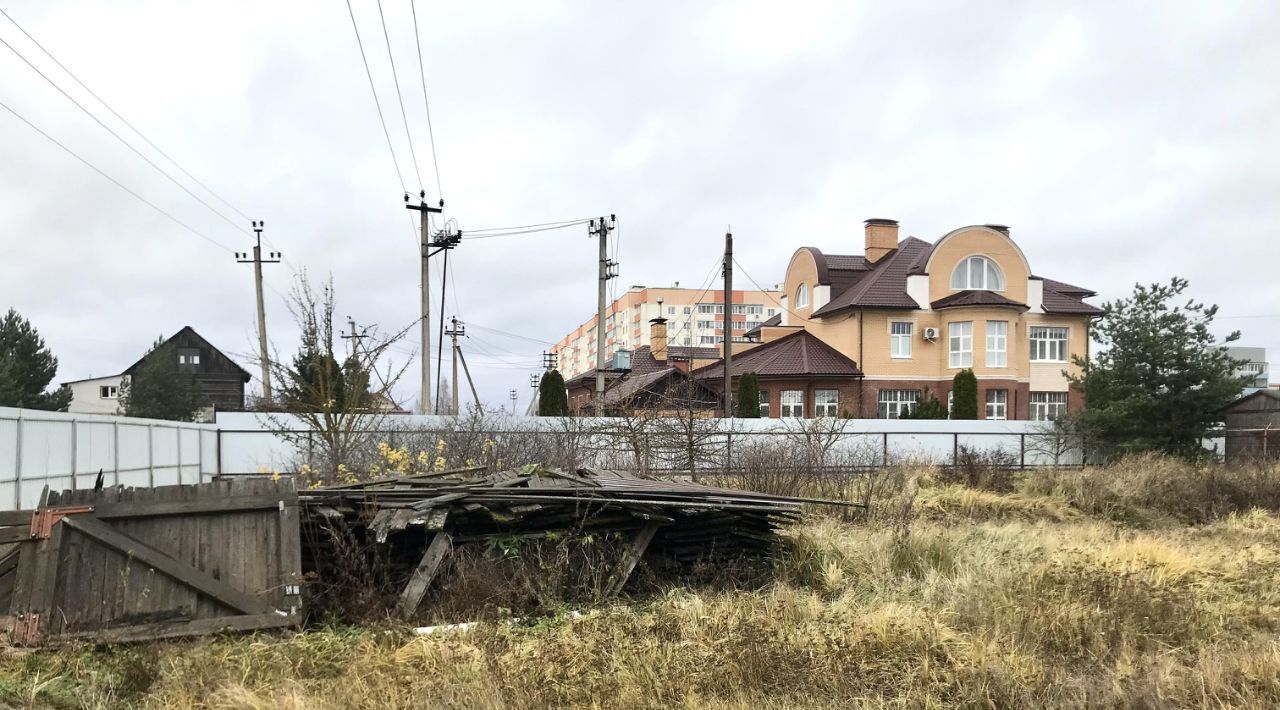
{"x": 748, "y": 396}
{"x": 1161, "y": 378}
{"x": 27, "y": 367}
{"x": 927, "y": 408}
{"x": 160, "y": 388}
{"x": 964, "y": 395}
{"x": 553, "y": 398}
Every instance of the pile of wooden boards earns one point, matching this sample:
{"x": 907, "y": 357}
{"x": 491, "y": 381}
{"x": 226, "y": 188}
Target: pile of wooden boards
{"x": 430, "y": 513}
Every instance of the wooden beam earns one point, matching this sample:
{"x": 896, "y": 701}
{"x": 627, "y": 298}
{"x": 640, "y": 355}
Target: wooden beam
{"x": 194, "y": 506}
{"x": 413, "y": 592}
{"x": 18, "y": 533}
{"x": 177, "y": 629}
{"x": 632, "y": 557}
{"x": 199, "y": 580}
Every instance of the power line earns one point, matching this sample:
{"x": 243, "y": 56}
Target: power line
{"x": 122, "y": 119}
{"x": 118, "y": 137}
{"x": 566, "y": 222}
{"x": 422, "y": 72}
{"x": 117, "y": 183}
{"x": 399, "y": 97}
{"x": 769, "y": 294}
{"x": 470, "y": 234}
{"x": 510, "y": 335}
{"x": 381, "y": 118}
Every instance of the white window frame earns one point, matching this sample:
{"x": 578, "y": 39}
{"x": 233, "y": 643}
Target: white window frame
{"x": 997, "y": 404}
{"x": 108, "y": 392}
{"x": 830, "y": 408}
{"x": 892, "y": 404}
{"x": 791, "y": 404}
{"x": 764, "y": 404}
{"x": 960, "y": 344}
{"x": 900, "y": 343}
{"x": 1046, "y": 341}
{"x": 1047, "y": 406}
{"x": 802, "y": 296}
{"x": 977, "y": 273}
{"x": 997, "y": 354}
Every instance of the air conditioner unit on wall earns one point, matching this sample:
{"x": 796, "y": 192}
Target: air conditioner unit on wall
{"x": 930, "y": 333}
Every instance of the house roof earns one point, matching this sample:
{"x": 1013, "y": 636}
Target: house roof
{"x": 1267, "y": 393}
{"x": 960, "y": 299}
{"x": 188, "y": 330}
{"x": 858, "y": 283}
{"x": 775, "y": 319}
{"x": 884, "y": 285}
{"x": 800, "y": 354}
{"x": 691, "y": 352}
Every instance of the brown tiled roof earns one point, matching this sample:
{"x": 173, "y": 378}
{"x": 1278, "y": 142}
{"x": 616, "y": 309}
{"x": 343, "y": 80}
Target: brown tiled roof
{"x": 885, "y": 286}
{"x": 1058, "y": 302}
{"x": 976, "y": 298}
{"x": 800, "y": 354}
{"x": 1065, "y": 288}
{"x": 775, "y": 319}
{"x": 857, "y": 283}
{"x": 692, "y": 352}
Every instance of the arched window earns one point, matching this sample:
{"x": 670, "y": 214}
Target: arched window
{"x": 802, "y": 296}
{"x": 977, "y": 273}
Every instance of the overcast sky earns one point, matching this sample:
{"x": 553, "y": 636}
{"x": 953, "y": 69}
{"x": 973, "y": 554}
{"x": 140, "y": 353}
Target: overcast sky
{"x": 1121, "y": 142}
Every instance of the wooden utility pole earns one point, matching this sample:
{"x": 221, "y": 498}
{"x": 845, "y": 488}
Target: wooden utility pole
{"x": 728, "y": 324}
{"x": 425, "y": 211}
{"x": 455, "y": 329}
{"x": 600, "y": 229}
{"x": 258, "y": 261}
{"x": 470, "y": 383}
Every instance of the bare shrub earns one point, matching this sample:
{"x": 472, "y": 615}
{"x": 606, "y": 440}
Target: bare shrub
{"x": 983, "y": 469}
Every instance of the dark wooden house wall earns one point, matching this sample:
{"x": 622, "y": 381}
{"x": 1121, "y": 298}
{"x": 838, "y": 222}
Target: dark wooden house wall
{"x": 220, "y": 379}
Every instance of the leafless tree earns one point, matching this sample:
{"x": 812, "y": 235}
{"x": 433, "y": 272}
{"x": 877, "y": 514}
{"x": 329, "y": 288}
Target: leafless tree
{"x": 329, "y": 410}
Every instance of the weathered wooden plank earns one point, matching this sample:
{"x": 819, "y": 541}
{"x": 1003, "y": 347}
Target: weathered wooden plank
{"x": 195, "y": 627}
{"x": 19, "y": 533}
{"x": 632, "y": 557}
{"x": 413, "y": 592}
{"x": 290, "y": 542}
{"x": 162, "y": 562}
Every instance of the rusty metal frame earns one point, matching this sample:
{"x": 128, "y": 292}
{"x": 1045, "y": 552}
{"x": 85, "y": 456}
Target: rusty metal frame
{"x": 43, "y": 519}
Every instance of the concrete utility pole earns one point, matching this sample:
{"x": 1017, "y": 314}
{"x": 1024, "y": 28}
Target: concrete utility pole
{"x": 514, "y": 394}
{"x": 454, "y": 330}
{"x": 425, "y": 211}
{"x": 728, "y": 324}
{"x": 600, "y": 229}
{"x": 355, "y": 337}
{"x": 258, "y": 261}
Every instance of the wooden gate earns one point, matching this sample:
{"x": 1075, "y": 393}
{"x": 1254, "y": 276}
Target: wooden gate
{"x": 130, "y": 564}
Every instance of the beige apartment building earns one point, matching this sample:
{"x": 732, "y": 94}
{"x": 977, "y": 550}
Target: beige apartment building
{"x": 912, "y": 314}
{"x": 695, "y": 324}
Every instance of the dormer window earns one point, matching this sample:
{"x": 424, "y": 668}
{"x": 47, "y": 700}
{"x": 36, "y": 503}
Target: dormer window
{"x": 977, "y": 273}
{"x": 802, "y": 296}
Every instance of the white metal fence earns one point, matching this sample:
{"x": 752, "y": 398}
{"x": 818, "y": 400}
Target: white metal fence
{"x": 66, "y": 451}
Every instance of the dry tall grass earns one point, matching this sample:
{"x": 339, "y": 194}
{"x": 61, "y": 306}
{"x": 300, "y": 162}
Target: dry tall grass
{"x": 943, "y": 597}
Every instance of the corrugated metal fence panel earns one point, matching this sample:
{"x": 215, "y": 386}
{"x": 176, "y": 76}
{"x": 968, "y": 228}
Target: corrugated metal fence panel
{"x": 66, "y": 451}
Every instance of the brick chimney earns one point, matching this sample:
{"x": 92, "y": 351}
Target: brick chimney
{"x": 658, "y": 339}
{"x": 882, "y": 238}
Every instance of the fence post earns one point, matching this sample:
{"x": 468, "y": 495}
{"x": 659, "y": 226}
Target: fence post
{"x": 955, "y": 449}
{"x": 884, "y": 459}
{"x": 17, "y": 466}
{"x": 115, "y": 451}
{"x": 178, "y": 429}
{"x": 151, "y": 457}
{"x": 1022, "y": 450}
{"x": 75, "y": 429}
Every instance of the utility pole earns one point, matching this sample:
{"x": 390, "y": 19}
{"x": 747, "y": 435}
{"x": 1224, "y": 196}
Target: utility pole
{"x": 355, "y": 337}
{"x": 514, "y": 394}
{"x": 550, "y": 360}
{"x": 258, "y": 261}
{"x": 535, "y": 381}
{"x": 454, "y": 330}
{"x": 425, "y": 211}
{"x": 600, "y": 229}
{"x": 728, "y": 324}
